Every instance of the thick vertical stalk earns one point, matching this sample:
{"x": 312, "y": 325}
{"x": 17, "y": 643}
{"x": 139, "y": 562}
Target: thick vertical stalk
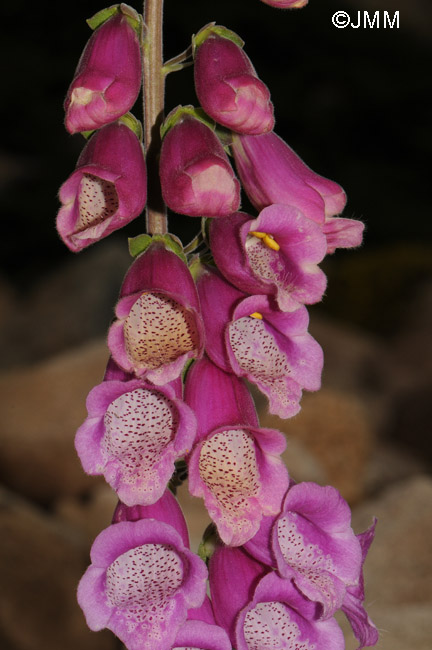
{"x": 153, "y": 97}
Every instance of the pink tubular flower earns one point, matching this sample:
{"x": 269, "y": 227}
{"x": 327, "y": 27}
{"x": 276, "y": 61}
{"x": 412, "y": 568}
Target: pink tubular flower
{"x": 271, "y": 172}
{"x": 231, "y": 567}
{"x": 196, "y": 176}
{"x": 133, "y": 434}
{"x": 107, "y": 189}
{"x": 205, "y": 636}
{"x": 286, "y": 4}
{"x": 250, "y": 337}
{"x": 228, "y": 88}
{"x": 279, "y": 616}
{"x": 275, "y": 254}
{"x": 235, "y": 466}
{"x": 159, "y": 325}
{"x": 362, "y": 626}
{"x": 108, "y": 77}
{"x": 315, "y": 546}
{"x": 141, "y": 583}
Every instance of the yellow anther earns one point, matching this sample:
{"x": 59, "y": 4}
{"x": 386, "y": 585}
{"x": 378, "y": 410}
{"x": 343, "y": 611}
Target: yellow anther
{"x": 267, "y": 239}
{"x": 271, "y": 243}
{"x": 256, "y": 314}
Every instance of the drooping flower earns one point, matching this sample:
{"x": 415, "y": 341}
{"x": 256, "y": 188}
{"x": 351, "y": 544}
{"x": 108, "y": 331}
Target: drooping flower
{"x": 235, "y": 465}
{"x": 271, "y": 172}
{"x": 227, "y": 85}
{"x": 275, "y": 254}
{"x": 249, "y": 336}
{"x": 141, "y": 583}
{"x": 133, "y": 434}
{"x": 364, "y": 629}
{"x": 196, "y": 176}
{"x": 286, "y": 4}
{"x": 107, "y": 190}
{"x": 108, "y": 77}
{"x": 279, "y": 616}
{"x": 196, "y": 634}
{"x": 158, "y": 326}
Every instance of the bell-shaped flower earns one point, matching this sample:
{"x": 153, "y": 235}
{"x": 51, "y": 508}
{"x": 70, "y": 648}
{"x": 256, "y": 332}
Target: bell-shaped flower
{"x": 286, "y": 4}
{"x": 166, "y": 510}
{"x": 279, "y": 616}
{"x": 108, "y": 77}
{"x": 249, "y": 336}
{"x": 271, "y": 172}
{"x": 275, "y": 254}
{"x": 158, "y": 326}
{"x": 133, "y": 434}
{"x": 314, "y": 545}
{"x": 196, "y": 176}
{"x": 231, "y": 567}
{"x": 227, "y": 85}
{"x": 235, "y": 465}
{"x": 362, "y": 626}
{"x": 107, "y": 190}
{"x": 141, "y": 583}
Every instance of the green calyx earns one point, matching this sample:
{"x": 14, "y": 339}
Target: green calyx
{"x": 209, "y": 543}
{"x": 218, "y": 30}
{"x": 179, "y": 113}
{"x": 133, "y": 17}
{"x": 139, "y": 244}
{"x": 133, "y": 124}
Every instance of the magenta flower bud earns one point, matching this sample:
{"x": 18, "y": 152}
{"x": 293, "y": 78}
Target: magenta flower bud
{"x": 235, "y": 466}
{"x": 141, "y": 583}
{"x": 133, "y": 435}
{"x": 228, "y": 567}
{"x": 286, "y": 4}
{"x": 228, "y": 88}
{"x": 276, "y": 254}
{"x": 108, "y": 77}
{"x": 107, "y": 190}
{"x": 159, "y": 325}
{"x": 196, "y": 176}
{"x": 271, "y": 172}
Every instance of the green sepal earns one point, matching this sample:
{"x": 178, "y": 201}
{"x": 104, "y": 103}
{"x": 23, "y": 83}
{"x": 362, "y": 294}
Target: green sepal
{"x": 186, "y": 369}
{"x": 178, "y": 113}
{"x": 87, "y": 134}
{"x": 129, "y": 120}
{"x": 209, "y": 543}
{"x": 133, "y": 17}
{"x": 139, "y": 244}
{"x": 219, "y": 30}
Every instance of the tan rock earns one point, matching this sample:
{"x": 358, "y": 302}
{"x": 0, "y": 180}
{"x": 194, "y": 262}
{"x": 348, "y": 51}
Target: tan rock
{"x": 334, "y": 427}
{"x": 41, "y": 409}
{"x": 41, "y": 564}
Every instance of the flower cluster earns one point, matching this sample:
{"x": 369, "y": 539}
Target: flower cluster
{"x": 190, "y": 328}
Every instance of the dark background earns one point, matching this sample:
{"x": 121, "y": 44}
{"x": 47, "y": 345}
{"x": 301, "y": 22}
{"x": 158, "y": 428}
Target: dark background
{"x": 352, "y": 102}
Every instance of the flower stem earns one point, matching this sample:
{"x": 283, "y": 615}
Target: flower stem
{"x": 153, "y": 111}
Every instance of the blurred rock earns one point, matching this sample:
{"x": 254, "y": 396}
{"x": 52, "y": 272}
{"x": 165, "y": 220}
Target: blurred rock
{"x": 67, "y": 308}
{"x": 89, "y": 515}
{"x": 42, "y": 407}
{"x": 398, "y": 570}
{"x": 335, "y": 429}
{"x": 41, "y": 563}
{"x": 389, "y": 464}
